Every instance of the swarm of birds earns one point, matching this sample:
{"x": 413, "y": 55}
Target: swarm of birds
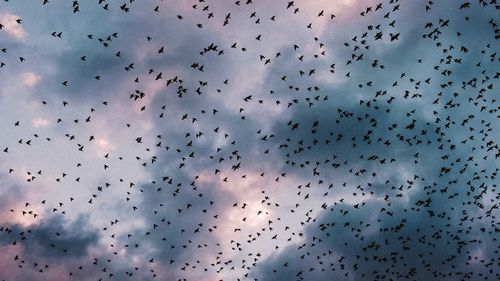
{"x": 249, "y": 140}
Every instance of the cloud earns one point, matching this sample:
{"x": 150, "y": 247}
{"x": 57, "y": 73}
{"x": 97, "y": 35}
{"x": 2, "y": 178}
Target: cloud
{"x": 40, "y": 122}
{"x": 52, "y": 247}
{"x": 12, "y": 28}
{"x": 366, "y": 243}
{"x": 54, "y": 237}
{"x": 31, "y": 79}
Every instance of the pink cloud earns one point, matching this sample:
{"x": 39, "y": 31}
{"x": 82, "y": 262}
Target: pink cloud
{"x": 31, "y": 79}
{"x": 40, "y": 122}
{"x": 12, "y": 28}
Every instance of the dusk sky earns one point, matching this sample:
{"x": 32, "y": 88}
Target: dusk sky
{"x": 249, "y": 140}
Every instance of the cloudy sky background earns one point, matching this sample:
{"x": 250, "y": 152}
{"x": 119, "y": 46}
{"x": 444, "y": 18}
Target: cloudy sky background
{"x": 381, "y": 163}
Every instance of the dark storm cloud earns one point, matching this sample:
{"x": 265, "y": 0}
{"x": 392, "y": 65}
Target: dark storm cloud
{"x": 418, "y": 236}
{"x": 179, "y": 221}
{"x": 64, "y": 62}
{"x": 54, "y": 238}
{"x": 414, "y": 247}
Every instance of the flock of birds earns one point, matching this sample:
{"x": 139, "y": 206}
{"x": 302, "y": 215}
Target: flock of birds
{"x": 191, "y": 141}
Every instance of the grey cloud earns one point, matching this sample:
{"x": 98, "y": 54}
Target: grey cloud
{"x": 54, "y": 238}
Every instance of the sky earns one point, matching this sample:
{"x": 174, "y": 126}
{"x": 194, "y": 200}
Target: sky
{"x": 249, "y": 140}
